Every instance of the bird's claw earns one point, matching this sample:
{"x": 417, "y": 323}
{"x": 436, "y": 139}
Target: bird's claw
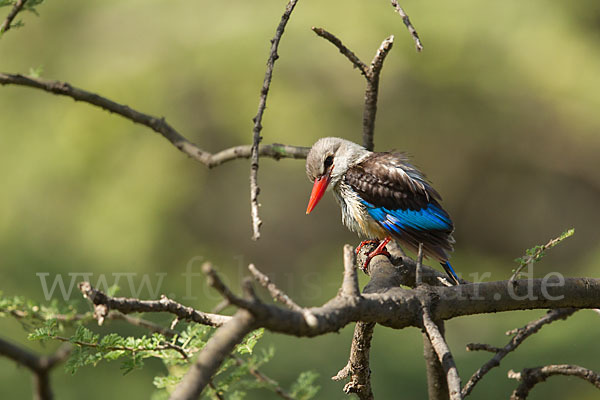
{"x": 379, "y": 250}
{"x": 363, "y": 243}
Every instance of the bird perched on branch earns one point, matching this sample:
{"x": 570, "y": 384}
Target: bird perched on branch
{"x": 382, "y": 196}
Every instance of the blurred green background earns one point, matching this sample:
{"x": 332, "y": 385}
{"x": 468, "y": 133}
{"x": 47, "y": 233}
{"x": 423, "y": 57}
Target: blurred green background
{"x": 501, "y": 110}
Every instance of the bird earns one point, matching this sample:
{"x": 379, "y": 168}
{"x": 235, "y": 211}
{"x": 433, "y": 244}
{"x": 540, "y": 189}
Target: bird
{"x": 383, "y": 197}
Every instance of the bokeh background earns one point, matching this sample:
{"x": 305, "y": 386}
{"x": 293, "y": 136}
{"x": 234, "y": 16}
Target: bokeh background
{"x": 501, "y": 110}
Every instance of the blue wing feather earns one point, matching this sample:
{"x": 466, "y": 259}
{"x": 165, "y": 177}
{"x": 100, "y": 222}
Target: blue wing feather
{"x": 431, "y": 217}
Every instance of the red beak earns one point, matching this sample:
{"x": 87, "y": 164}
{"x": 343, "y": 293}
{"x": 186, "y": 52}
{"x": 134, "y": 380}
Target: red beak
{"x": 318, "y": 191}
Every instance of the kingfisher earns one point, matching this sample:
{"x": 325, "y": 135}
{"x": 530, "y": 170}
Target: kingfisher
{"x": 382, "y": 197}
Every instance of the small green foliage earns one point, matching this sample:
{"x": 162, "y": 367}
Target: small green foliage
{"x": 538, "y": 252}
{"x": 236, "y": 376}
{"x": 304, "y": 388}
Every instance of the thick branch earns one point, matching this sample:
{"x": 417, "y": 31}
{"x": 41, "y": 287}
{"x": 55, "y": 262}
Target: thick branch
{"x": 520, "y": 335}
{"x": 6, "y": 25}
{"x": 530, "y": 377}
{"x": 218, "y": 347}
{"x": 104, "y": 303}
{"x": 262, "y": 104}
{"x": 159, "y": 125}
{"x": 358, "y": 364}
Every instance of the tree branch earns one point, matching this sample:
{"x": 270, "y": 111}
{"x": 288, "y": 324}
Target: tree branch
{"x": 358, "y": 364}
{"x": 159, "y": 125}
{"x": 6, "y": 25}
{"x": 39, "y": 365}
{"x": 371, "y": 74}
{"x": 437, "y": 385}
{"x": 218, "y": 347}
{"x": 104, "y": 303}
{"x": 530, "y": 377}
{"x": 409, "y": 26}
{"x": 520, "y": 335}
{"x": 443, "y": 352}
{"x": 262, "y": 104}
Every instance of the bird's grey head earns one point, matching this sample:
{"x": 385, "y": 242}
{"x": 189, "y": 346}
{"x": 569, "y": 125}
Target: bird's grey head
{"x": 332, "y": 156}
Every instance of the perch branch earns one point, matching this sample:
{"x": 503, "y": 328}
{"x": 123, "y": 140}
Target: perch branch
{"x": 409, "y": 26}
{"x": 6, "y": 25}
{"x": 519, "y": 336}
{"x": 262, "y": 104}
{"x": 159, "y": 125}
{"x": 530, "y": 377}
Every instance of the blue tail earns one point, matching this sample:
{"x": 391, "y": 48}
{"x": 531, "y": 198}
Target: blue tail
{"x": 450, "y": 271}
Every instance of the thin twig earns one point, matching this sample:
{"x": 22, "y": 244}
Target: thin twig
{"x": 161, "y": 347}
{"x": 6, "y": 25}
{"x": 104, "y": 303}
{"x": 276, "y": 293}
{"x": 215, "y": 281}
{"x": 279, "y": 295}
{"x": 437, "y": 384}
{"x": 370, "y": 73}
{"x": 530, "y": 377}
{"x": 263, "y": 378}
{"x": 349, "y": 54}
{"x": 262, "y": 104}
{"x": 444, "y": 355}
{"x": 419, "y": 268}
{"x": 409, "y": 26}
{"x": 159, "y": 125}
{"x": 520, "y": 335}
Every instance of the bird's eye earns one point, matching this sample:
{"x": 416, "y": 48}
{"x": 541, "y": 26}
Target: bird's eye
{"x": 328, "y": 162}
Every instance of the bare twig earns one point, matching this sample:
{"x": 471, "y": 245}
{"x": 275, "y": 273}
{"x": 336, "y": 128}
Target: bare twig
{"x": 262, "y": 104}
{"x": 443, "y": 352}
{"x": 362, "y": 67}
{"x": 409, "y": 26}
{"x": 214, "y": 280}
{"x": 218, "y": 347}
{"x": 276, "y": 293}
{"x": 6, "y": 25}
{"x": 520, "y": 335}
{"x": 371, "y": 74}
{"x": 279, "y": 295}
{"x": 358, "y": 364}
{"x": 530, "y": 377}
{"x": 39, "y": 365}
{"x": 350, "y": 282}
{"x": 151, "y": 326}
{"x": 419, "y": 269}
{"x": 437, "y": 385}
{"x": 159, "y": 125}
{"x": 104, "y": 303}
{"x": 263, "y": 378}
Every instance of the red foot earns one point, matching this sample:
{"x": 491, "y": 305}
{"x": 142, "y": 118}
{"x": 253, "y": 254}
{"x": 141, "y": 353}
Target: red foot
{"x": 380, "y": 250}
{"x": 360, "y": 246}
